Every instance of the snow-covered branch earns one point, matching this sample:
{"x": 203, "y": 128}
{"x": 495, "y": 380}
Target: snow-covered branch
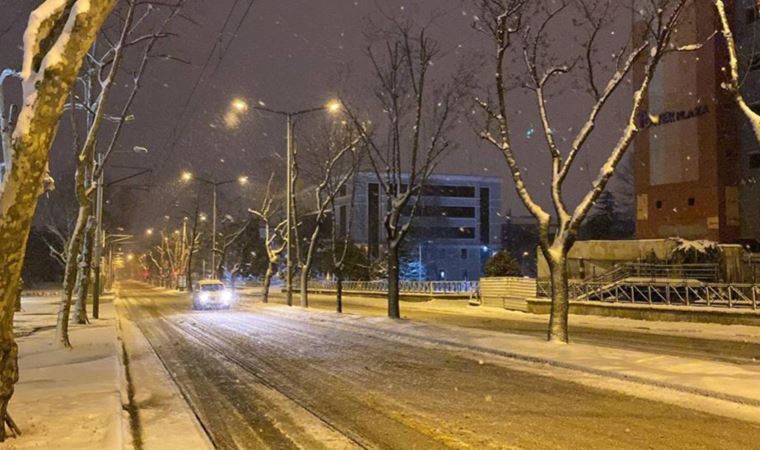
{"x": 733, "y": 86}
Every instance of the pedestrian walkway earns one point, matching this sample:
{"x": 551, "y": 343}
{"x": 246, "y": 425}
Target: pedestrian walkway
{"x": 67, "y": 398}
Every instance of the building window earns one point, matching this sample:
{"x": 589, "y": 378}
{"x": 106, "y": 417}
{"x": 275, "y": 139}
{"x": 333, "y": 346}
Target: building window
{"x": 373, "y": 220}
{"x": 485, "y": 216}
{"x": 658, "y": 204}
{"x": 691, "y": 201}
{"x": 754, "y": 160}
{"x": 448, "y": 191}
{"x": 464, "y": 253}
{"x": 457, "y": 212}
{"x": 443, "y": 232}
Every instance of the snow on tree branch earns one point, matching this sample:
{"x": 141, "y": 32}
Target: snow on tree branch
{"x": 733, "y": 86}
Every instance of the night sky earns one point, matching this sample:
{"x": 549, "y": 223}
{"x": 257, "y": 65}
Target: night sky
{"x": 290, "y": 54}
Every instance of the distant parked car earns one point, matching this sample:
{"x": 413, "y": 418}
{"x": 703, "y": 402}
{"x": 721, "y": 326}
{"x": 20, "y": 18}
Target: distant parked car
{"x": 212, "y": 294}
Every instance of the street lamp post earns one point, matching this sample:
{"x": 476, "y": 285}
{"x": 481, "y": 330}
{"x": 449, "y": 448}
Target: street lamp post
{"x": 187, "y": 176}
{"x": 290, "y": 116}
{"x": 213, "y": 230}
{"x": 99, "y": 234}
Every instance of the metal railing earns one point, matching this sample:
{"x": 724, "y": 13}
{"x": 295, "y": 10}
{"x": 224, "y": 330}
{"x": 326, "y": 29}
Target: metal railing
{"x": 702, "y": 272}
{"x": 408, "y": 287}
{"x": 663, "y": 292}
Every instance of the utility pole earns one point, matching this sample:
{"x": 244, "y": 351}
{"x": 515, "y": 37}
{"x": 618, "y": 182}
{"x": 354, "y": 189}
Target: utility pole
{"x": 187, "y": 177}
{"x": 98, "y": 250}
{"x": 183, "y": 248}
{"x": 331, "y": 107}
{"x": 213, "y": 235}
{"x": 99, "y": 244}
{"x": 289, "y": 214}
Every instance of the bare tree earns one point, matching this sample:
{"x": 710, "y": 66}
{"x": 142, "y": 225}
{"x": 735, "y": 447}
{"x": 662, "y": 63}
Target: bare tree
{"x": 161, "y": 261}
{"x": 335, "y": 159}
{"x": 98, "y": 81}
{"x": 418, "y": 113}
{"x": 59, "y": 217}
{"x": 57, "y": 39}
{"x": 193, "y": 246}
{"x": 510, "y": 22}
{"x": 340, "y": 242}
{"x": 274, "y": 237}
{"x": 168, "y": 258}
{"x": 226, "y": 241}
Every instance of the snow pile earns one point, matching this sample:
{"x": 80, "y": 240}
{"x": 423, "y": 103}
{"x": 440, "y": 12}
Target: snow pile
{"x": 702, "y": 247}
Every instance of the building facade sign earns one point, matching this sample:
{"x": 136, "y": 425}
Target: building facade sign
{"x": 645, "y": 120}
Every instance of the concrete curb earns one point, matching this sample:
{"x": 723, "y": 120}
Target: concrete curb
{"x": 659, "y": 313}
{"x": 124, "y": 389}
{"x": 186, "y": 425}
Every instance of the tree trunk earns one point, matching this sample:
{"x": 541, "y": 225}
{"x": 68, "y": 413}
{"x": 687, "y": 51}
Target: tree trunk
{"x": 70, "y": 275}
{"x": 18, "y": 295}
{"x": 338, "y": 290}
{"x": 189, "y": 271}
{"x": 47, "y": 85}
{"x": 267, "y": 283}
{"x": 83, "y": 274}
{"x": 394, "y": 311}
{"x": 306, "y": 269}
{"x": 560, "y": 307}
{"x": 305, "y": 286}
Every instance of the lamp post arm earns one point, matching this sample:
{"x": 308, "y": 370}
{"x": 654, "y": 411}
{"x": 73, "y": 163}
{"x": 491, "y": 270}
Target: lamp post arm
{"x": 287, "y": 113}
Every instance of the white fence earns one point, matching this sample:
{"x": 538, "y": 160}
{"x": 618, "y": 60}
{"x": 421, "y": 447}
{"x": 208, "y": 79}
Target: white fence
{"x": 406, "y": 287}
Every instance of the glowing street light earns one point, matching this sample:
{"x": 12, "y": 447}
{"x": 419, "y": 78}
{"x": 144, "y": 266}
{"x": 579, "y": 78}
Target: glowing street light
{"x": 242, "y": 180}
{"x": 331, "y": 107}
{"x": 334, "y": 106}
{"x": 239, "y": 105}
{"x": 149, "y": 232}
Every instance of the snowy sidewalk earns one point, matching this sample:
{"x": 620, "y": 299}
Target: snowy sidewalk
{"x": 166, "y": 421}
{"x": 67, "y": 399}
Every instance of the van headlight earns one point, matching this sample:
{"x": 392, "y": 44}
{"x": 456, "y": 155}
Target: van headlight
{"x": 204, "y": 297}
{"x": 226, "y": 296}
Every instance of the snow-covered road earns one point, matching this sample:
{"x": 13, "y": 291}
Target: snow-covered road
{"x": 264, "y": 377}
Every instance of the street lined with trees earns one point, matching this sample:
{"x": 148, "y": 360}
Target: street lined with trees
{"x": 264, "y": 375}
